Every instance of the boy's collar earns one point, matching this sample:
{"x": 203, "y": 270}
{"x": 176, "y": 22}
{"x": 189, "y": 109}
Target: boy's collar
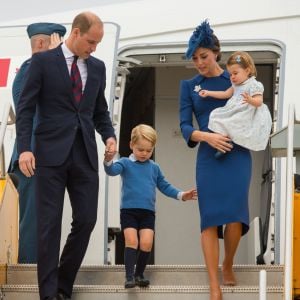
{"x": 132, "y": 157}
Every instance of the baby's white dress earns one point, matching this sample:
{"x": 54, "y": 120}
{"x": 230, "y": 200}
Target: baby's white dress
{"x": 245, "y": 124}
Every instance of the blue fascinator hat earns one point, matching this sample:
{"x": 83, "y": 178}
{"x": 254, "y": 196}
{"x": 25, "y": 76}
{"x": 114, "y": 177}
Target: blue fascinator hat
{"x": 202, "y": 37}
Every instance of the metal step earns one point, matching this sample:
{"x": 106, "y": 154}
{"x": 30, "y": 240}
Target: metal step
{"x": 167, "y": 283}
{"x": 247, "y": 275}
{"x": 96, "y": 292}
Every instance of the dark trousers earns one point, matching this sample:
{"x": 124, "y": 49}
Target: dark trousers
{"x": 82, "y": 182}
{"x": 27, "y": 218}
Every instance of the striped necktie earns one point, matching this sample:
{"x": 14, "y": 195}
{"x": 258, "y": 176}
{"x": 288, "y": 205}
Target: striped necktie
{"x": 76, "y": 80}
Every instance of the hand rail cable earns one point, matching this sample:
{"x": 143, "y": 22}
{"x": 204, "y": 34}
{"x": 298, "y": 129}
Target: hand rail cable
{"x": 8, "y": 118}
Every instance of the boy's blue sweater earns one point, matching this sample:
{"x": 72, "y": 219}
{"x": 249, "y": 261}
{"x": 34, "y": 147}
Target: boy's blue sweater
{"x": 139, "y": 182}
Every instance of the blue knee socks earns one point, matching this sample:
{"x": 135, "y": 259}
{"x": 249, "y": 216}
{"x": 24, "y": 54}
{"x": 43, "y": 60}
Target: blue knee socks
{"x": 141, "y": 263}
{"x": 129, "y": 261}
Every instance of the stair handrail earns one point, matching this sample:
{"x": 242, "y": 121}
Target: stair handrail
{"x": 8, "y": 118}
{"x": 289, "y": 224}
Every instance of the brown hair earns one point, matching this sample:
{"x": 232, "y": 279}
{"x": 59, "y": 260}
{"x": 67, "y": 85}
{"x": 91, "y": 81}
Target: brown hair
{"x": 243, "y": 59}
{"x": 143, "y": 131}
{"x": 216, "y": 47}
{"x": 85, "y": 20}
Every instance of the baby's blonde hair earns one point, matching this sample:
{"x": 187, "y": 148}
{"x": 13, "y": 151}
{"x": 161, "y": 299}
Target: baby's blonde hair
{"x": 243, "y": 59}
{"x": 143, "y": 131}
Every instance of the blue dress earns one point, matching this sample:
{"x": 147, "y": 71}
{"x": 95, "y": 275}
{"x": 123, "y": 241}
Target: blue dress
{"x": 222, "y": 184}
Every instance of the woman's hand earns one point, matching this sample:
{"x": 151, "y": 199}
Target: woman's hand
{"x": 219, "y": 141}
{"x": 216, "y": 140}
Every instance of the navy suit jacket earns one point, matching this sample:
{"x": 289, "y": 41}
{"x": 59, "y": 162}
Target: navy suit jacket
{"x": 48, "y": 92}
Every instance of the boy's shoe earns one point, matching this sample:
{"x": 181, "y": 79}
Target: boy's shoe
{"x": 141, "y": 281}
{"x": 129, "y": 283}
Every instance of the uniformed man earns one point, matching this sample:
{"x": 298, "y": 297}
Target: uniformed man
{"x": 43, "y": 36}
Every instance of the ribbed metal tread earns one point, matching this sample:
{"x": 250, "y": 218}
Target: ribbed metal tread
{"x": 158, "y": 274}
{"x": 162, "y": 288}
{"x": 168, "y": 282}
{"x": 111, "y": 292}
{"x": 172, "y": 268}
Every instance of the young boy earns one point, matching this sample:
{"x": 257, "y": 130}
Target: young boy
{"x": 140, "y": 177}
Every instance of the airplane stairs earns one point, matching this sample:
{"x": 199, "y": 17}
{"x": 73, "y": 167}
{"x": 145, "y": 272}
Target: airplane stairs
{"x": 18, "y": 282}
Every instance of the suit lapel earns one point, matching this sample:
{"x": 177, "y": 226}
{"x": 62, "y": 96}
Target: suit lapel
{"x": 62, "y": 65}
{"x": 90, "y": 72}
{"x": 63, "y": 68}
{"x": 88, "y": 84}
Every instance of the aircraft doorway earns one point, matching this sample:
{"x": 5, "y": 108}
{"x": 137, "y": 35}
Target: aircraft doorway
{"x": 138, "y": 108}
{"x": 151, "y": 97}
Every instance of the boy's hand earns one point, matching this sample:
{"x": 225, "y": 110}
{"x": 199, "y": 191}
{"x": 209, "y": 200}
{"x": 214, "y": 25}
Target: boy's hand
{"x": 189, "y": 195}
{"x": 109, "y": 156}
{"x": 110, "y": 149}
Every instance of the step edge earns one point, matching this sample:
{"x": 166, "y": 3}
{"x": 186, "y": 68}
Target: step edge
{"x": 8, "y": 287}
{"x": 175, "y": 268}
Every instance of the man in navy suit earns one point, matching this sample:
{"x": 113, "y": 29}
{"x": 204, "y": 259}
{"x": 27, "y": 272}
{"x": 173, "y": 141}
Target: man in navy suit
{"x": 65, "y": 153}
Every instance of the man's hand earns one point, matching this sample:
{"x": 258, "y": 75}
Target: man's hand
{"x": 27, "y": 163}
{"x": 55, "y": 40}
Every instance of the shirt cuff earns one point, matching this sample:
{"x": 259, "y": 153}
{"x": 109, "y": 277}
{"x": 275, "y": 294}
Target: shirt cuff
{"x": 108, "y": 163}
{"x": 179, "y": 196}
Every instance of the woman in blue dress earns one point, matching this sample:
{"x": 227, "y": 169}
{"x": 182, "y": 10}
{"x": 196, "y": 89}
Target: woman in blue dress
{"x": 222, "y": 184}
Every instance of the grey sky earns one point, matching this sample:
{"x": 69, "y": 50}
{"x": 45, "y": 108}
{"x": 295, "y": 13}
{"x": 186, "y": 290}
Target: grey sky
{"x": 17, "y": 9}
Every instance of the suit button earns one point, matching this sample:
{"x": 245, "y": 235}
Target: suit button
{"x": 75, "y": 127}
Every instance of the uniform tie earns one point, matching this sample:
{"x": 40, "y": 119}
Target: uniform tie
{"x": 76, "y": 80}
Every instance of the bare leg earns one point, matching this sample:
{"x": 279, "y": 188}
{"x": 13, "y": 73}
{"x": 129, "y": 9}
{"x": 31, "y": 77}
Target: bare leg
{"x": 232, "y": 236}
{"x": 210, "y": 248}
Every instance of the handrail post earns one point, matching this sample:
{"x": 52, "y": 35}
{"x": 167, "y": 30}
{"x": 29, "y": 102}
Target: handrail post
{"x": 289, "y": 206}
{"x": 262, "y": 285}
